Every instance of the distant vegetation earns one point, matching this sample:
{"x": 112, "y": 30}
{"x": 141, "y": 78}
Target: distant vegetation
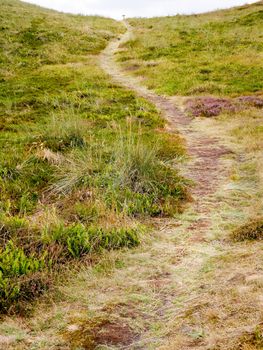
{"x": 216, "y": 53}
{"x": 81, "y": 161}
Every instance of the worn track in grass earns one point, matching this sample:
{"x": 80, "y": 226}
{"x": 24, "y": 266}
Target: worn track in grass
{"x": 205, "y": 150}
{"x": 174, "y": 269}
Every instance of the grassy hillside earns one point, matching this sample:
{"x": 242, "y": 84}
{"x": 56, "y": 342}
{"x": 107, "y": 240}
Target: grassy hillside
{"x": 81, "y": 161}
{"x": 217, "y": 53}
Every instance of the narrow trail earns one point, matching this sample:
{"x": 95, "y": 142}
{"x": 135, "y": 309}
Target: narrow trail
{"x": 205, "y": 150}
{"x": 165, "y": 291}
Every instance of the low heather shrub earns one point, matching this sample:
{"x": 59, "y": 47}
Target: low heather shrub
{"x": 253, "y": 101}
{"x": 209, "y": 106}
{"x": 212, "y": 107}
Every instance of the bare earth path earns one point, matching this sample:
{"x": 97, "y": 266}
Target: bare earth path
{"x": 205, "y": 150}
{"x": 185, "y": 300}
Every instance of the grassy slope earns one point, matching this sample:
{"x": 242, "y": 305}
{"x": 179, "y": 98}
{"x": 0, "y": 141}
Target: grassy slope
{"x": 76, "y": 167}
{"x": 113, "y": 291}
{"x": 215, "y": 53}
{"x": 42, "y": 68}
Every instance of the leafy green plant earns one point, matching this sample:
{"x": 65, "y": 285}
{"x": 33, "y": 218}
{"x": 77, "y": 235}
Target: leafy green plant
{"x": 15, "y": 264}
{"x": 11, "y": 227}
{"x": 79, "y": 240}
{"x": 74, "y": 238}
{"x": 14, "y": 261}
{"x": 114, "y": 238}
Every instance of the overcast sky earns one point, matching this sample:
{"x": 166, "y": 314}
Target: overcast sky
{"x": 137, "y": 8}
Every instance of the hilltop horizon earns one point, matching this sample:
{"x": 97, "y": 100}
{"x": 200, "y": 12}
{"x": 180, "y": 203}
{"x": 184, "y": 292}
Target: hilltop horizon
{"x": 116, "y": 9}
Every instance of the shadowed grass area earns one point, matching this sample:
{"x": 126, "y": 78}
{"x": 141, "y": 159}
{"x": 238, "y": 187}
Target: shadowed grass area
{"x": 81, "y": 161}
{"x": 215, "y": 53}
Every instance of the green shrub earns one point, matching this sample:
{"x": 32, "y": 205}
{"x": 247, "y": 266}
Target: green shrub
{"x": 114, "y": 238}
{"x": 74, "y": 238}
{"x": 253, "y": 230}
{"x": 86, "y": 212}
{"x": 11, "y": 227}
{"x": 14, "y": 265}
{"x": 14, "y": 261}
{"x": 78, "y": 240}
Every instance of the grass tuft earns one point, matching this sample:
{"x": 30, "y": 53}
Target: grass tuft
{"x": 253, "y": 230}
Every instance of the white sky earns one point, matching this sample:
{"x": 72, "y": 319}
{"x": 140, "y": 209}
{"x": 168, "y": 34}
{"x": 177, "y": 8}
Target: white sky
{"x": 137, "y": 8}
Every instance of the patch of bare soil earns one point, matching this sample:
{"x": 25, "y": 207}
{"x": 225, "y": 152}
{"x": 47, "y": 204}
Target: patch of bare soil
{"x": 90, "y": 334}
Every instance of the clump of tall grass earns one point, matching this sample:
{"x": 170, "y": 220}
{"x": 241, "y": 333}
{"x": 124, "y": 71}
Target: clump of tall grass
{"x": 129, "y": 175}
{"x": 64, "y": 132}
{"x": 140, "y": 181}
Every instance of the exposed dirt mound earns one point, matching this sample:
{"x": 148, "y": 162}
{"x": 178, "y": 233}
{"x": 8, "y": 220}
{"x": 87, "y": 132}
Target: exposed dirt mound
{"x": 88, "y": 334}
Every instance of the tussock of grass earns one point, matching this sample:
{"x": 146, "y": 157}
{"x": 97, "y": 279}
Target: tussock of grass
{"x": 253, "y": 230}
{"x": 129, "y": 176}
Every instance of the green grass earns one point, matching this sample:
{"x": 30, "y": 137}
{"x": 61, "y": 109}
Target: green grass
{"x": 82, "y": 163}
{"x": 216, "y": 53}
